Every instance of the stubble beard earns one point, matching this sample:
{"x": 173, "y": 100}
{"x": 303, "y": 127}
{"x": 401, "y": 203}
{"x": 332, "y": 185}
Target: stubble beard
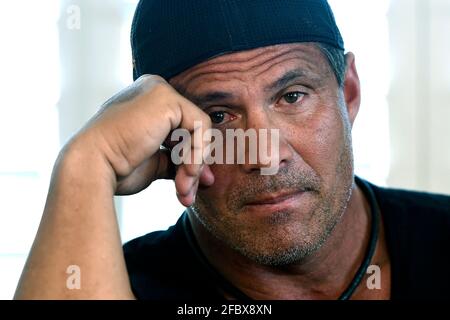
{"x": 285, "y": 241}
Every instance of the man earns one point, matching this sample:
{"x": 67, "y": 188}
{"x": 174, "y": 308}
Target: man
{"x": 310, "y": 231}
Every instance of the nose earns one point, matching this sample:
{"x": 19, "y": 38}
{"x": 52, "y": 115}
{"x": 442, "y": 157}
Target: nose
{"x": 271, "y": 151}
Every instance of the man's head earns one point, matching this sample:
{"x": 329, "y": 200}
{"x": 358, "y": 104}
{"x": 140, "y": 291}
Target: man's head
{"x": 307, "y": 91}
{"x": 290, "y": 87}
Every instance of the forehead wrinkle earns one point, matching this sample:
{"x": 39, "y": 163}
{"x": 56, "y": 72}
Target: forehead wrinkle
{"x": 285, "y": 65}
{"x": 304, "y": 67}
{"x": 304, "y": 54}
{"x": 235, "y": 70}
{"x": 275, "y": 52}
{"x": 291, "y": 70}
{"x": 197, "y": 70}
{"x": 258, "y": 52}
{"x": 218, "y": 60}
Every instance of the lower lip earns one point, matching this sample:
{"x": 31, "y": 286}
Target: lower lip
{"x": 289, "y": 202}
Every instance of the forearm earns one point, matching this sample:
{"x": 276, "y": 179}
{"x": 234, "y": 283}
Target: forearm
{"x": 117, "y": 152}
{"x": 78, "y": 227}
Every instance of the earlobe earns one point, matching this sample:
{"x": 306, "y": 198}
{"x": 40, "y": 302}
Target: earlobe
{"x": 352, "y": 91}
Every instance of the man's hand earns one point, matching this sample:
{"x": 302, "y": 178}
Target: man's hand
{"x": 117, "y": 152}
{"x": 129, "y": 130}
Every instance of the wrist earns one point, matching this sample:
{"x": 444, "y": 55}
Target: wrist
{"x": 82, "y": 163}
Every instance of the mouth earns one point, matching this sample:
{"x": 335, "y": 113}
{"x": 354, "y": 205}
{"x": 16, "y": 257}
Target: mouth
{"x": 269, "y": 203}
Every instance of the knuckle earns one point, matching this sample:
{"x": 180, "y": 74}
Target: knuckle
{"x": 151, "y": 78}
{"x": 152, "y": 83}
{"x": 162, "y": 89}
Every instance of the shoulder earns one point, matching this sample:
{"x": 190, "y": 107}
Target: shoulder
{"x": 415, "y": 216}
{"x": 413, "y": 205}
{"x": 417, "y": 228}
{"x": 417, "y": 199}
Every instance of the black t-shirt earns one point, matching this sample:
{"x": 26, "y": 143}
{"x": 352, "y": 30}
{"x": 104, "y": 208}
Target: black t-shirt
{"x": 168, "y": 265}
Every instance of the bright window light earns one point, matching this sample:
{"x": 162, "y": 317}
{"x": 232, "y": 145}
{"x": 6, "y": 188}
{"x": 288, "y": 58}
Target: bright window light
{"x": 29, "y": 143}
{"x": 364, "y": 26}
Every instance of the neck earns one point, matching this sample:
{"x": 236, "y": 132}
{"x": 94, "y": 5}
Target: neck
{"x": 323, "y": 275}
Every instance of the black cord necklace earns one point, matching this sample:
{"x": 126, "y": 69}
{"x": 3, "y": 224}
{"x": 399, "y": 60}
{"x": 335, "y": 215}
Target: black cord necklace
{"x": 375, "y": 213}
{"x": 346, "y": 295}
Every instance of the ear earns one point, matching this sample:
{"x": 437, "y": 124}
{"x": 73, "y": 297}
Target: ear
{"x": 352, "y": 88}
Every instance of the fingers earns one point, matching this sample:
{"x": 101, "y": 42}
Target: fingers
{"x": 192, "y": 170}
{"x": 186, "y": 187}
{"x": 129, "y": 129}
{"x": 166, "y": 168}
{"x": 158, "y": 166}
{"x": 192, "y": 125}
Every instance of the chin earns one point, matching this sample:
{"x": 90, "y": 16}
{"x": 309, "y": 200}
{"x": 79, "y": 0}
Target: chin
{"x": 278, "y": 252}
{"x": 282, "y": 241}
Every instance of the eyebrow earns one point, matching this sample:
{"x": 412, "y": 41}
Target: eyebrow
{"x": 217, "y": 97}
{"x": 210, "y": 98}
{"x": 288, "y": 78}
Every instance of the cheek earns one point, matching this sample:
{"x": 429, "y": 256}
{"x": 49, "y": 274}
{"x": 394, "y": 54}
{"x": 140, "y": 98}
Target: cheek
{"x": 223, "y": 184}
{"x": 319, "y": 140}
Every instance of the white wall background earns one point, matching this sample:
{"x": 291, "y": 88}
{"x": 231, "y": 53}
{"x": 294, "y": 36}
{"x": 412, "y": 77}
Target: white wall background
{"x": 54, "y": 76}
{"x": 419, "y": 95}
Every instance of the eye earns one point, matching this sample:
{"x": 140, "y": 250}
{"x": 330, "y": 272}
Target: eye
{"x": 293, "y": 97}
{"x": 219, "y": 117}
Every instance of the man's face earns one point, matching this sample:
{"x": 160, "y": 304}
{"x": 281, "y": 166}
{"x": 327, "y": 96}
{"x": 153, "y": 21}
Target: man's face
{"x": 276, "y": 219}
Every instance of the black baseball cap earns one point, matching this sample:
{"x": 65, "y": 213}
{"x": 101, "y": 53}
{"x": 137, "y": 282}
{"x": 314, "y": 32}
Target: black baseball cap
{"x": 170, "y": 36}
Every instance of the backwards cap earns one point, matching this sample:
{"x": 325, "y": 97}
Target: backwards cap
{"x": 170, "y": 36}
